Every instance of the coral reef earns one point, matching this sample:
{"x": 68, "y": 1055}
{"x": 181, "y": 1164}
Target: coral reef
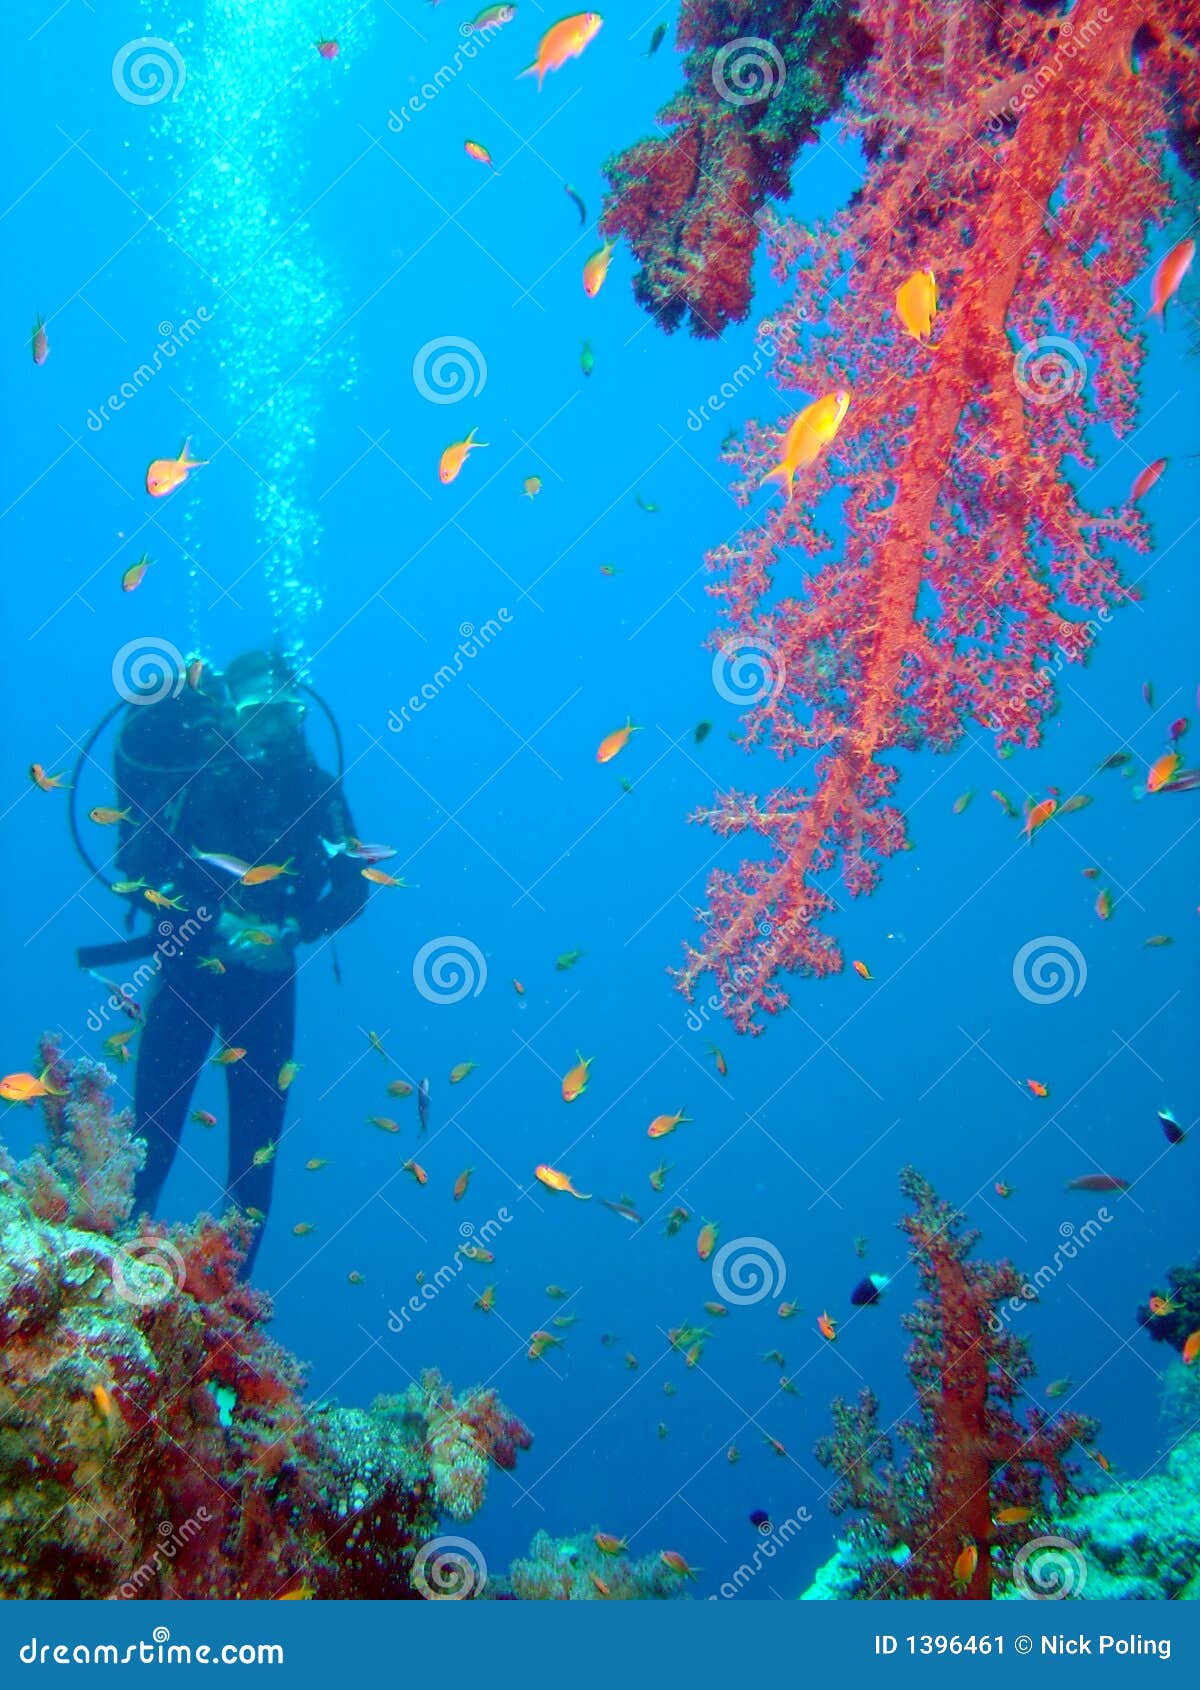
{"x": 971, "y": 569}
{"x": 153, "y": 1438}
{"x": 574, "y": 1570}
{"x": 970, "y": 1459}
{"x": 761, "y": 75}
{"x": 1183, "y": 1292}
{"x": 1140, "y": 1539}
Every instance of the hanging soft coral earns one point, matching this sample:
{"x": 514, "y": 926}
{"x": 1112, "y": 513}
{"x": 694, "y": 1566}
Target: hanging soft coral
{"x": 761, "y": 75}
{"x": 975, "y": 1473}
{"x": 1018, "y": 158}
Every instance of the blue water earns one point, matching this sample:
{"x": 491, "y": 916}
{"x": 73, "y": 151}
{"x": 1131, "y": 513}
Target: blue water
{"x": 510, "y": 835}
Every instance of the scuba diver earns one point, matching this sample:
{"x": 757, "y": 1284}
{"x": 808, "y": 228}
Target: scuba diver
{"x": 230, "y": 820}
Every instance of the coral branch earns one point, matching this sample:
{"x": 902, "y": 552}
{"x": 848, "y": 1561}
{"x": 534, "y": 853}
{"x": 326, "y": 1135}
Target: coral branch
{"x": 761, "y": 75}
{"x": 971, "y": 570}
{"x": 971, "y": 1458}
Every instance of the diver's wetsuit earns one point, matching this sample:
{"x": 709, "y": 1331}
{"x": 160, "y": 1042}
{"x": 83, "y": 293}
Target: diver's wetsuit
{"x": 266, "y": 815}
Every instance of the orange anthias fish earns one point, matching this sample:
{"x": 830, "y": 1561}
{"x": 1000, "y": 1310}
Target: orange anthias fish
{"x": 226, "y": 1058}
{"x": 815, "y": 428}
{"x": 23, "y": 1088}
{"x": 460, "y": 1071}
{"x": 477, "y": 151}
{"x": 826, "y": 1327}
{"x": 416, "y": 1170}
{"x": 287, "y": 1074}
{"x": 1013, "y": 1516}
{"x": 1168, "y": 276}
{"x": 596, "y": 268}
{"x": 1037, "y": 815}
{"x": 161, "y": 901}
{"x": 264, "y": 872}
{"x": 861, "y": 969}
{"x": 461, "y": 1184}
{"x": 39, "y": 343}
{"x": 616, "y": 741}
{"x": 1037, "y": 1088}
{"x": 965, "y": 1565}
{"x": 1160, "y": 1306}
{"x": 380, "y": 877}
{"x": 1161, "y": 770}
{"x": 661, "y": 1125}
{"x": 673, "y": 1559}
{"x": 1191, "y": 1347}
{"x": 455, "y": 456}
{"x": 539, "y": 1343}
{"x": 486, "y": 1300}
{"x": 706, "y": 1242}
{"x": 104, "y": 816}
{"x": 1104, "y": 903}
{"x": 916, "y": 303}
{"x": 721, "y": 1065}
{"x": 599, "y": 1583}
{"x": 607, "y": 1544}
{"x": 1145, "y": 481}
{"x": 575, "y": 1081}
{"x": 40, "y": 778}
{"x": 562, "y": 41}
{"x": 166, "y": 474}
{"x": 558, "y": 1182}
